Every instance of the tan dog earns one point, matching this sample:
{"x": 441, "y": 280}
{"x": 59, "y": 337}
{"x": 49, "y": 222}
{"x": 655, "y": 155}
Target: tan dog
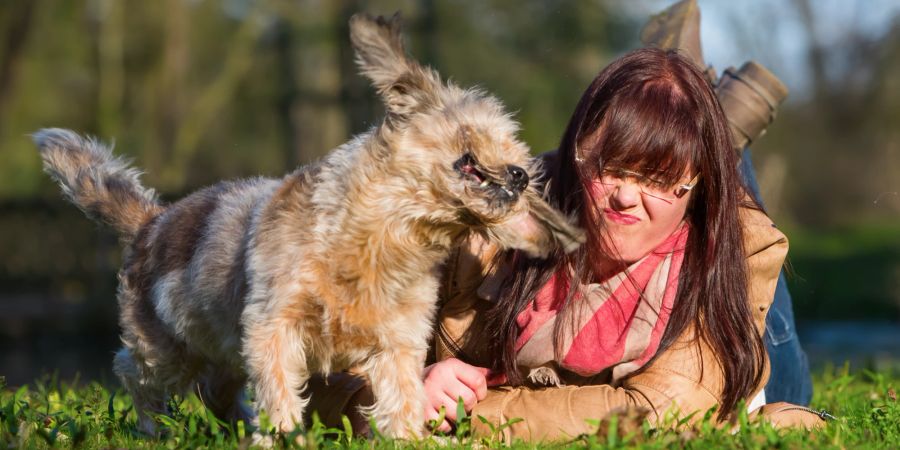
{"x": 335, "y": 265}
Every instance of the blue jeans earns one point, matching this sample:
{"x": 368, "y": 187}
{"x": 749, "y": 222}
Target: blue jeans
{"x": 790, "y": 380}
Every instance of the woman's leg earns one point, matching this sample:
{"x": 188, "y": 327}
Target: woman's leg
{"x": 790, "y": 380}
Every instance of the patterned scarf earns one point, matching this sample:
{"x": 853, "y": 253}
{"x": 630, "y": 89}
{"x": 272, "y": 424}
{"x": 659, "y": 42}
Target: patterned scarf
{"x": 618, "y": 324}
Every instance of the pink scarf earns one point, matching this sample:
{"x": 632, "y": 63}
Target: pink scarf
{"x": 618, "y": 323}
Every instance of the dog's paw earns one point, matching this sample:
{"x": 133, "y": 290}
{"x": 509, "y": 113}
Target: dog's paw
{"x": 268, "y": 440}
{"x": 263, "y": 440}
{"x": 396, "y": 430}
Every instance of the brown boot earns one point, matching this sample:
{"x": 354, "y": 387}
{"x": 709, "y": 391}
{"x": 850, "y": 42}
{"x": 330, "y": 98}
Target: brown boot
{"x": 750, "y": 96}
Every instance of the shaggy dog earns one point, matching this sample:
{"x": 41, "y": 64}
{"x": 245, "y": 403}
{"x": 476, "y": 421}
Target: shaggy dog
{"x": 335, "y": 265}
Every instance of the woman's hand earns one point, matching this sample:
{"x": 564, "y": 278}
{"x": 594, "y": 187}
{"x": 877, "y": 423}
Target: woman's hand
{"x": 448, "y": 380}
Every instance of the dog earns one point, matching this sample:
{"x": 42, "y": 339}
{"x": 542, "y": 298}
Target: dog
{"x": 335, "y": 265}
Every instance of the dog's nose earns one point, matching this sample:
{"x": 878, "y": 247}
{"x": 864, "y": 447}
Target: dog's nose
{"x": 516, "y": 178}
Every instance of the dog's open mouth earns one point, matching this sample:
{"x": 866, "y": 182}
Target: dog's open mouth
{"x": 471, "y": 171}
{"x": 468, "y": 168}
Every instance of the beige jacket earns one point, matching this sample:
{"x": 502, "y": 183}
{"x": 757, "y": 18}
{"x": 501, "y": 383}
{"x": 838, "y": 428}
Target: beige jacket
{"x": 672, "y": 383}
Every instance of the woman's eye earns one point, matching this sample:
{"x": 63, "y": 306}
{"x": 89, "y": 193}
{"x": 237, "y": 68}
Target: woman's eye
{"x": 655, "y": 184}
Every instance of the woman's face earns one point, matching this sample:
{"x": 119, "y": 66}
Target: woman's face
{"x": 636, "y": 214}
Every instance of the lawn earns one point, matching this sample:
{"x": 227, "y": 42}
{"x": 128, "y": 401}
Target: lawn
{"x": 51, "y": 414}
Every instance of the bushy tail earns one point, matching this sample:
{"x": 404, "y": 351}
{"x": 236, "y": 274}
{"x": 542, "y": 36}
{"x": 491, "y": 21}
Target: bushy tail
{"x": 101, "y": 185}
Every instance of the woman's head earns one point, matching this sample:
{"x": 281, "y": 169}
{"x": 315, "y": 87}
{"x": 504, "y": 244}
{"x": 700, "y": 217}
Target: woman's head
{"x": 647, "y": 125}
{"x": 647, "y": 148}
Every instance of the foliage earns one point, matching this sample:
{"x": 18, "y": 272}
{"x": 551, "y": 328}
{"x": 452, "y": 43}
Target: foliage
{"x": 202, "y": 90}
{"x": 846, "y": 273}
{"x": 50, "y": 414}
{"x": 198, "y": 91}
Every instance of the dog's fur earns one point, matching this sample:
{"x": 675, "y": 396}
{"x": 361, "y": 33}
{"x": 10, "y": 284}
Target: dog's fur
{"x": 333, "y": 266}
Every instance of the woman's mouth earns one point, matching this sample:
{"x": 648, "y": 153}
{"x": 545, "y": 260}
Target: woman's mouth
{"x": 620, "y": 218}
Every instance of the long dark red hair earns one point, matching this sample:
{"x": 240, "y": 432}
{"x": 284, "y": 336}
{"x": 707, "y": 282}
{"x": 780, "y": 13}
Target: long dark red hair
{"x": 651, "y": 110}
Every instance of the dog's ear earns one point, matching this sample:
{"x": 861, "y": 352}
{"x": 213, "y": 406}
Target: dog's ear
{"x": 404, "y": 85}
{"x": 538, "y": 231}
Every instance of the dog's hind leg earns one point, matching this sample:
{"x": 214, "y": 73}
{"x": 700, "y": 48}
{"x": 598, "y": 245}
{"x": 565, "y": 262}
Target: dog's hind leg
{"x": 153, "y": 364}
{"x": 222, "y": 391}
{"x": 151, "y": 387}
{"x": 149, "y": 400}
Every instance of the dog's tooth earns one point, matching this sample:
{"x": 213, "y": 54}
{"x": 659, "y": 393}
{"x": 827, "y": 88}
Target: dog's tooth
{"x": 484, "y": 183}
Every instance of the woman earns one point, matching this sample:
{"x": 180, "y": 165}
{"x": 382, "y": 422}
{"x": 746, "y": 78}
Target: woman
{"x": 665, "y": 304}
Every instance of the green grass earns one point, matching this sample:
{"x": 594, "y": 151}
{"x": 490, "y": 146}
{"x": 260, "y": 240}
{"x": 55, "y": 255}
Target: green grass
{"x": 48, "y": 414}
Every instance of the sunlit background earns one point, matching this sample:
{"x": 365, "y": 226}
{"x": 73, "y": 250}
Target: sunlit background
{"x": 196, "y": 91}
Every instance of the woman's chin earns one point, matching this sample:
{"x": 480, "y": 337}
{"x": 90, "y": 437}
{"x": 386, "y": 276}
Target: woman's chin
{"x": 623, "y": 253}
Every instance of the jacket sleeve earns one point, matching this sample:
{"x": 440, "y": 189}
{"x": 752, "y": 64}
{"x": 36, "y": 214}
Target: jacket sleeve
{"x": 685, "y": 378}
{"x": 335, "y": 395}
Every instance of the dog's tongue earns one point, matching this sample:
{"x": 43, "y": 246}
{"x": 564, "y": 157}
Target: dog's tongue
{"x": 473, "y": 172}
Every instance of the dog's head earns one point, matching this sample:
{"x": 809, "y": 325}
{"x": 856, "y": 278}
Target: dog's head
{"x": 459, "y": 146}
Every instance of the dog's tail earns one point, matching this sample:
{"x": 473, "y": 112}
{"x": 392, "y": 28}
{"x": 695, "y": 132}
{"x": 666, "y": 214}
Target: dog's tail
{"x": 101, "y": 185}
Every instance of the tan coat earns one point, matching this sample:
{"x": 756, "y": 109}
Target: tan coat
{"x": 673, "y": 382}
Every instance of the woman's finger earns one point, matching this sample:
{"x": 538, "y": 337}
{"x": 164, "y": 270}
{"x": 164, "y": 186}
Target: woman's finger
{"x": 455, "y": 390}
{"x": 432, "y": 416}
{"x": 475, "y": 379}
{"x": 449, "y": 405}
{"x": 496, "y": 378}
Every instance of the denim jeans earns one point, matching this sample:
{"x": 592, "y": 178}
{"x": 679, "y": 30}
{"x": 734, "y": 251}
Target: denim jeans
{"x": 790, "y": 380}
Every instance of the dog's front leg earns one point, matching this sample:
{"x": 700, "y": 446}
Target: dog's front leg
{"x": 276, "y": 354}
{"x": 396, "y": 378}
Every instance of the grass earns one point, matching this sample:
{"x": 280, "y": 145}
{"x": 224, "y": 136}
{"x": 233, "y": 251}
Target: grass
{"x": 49, "y": 414}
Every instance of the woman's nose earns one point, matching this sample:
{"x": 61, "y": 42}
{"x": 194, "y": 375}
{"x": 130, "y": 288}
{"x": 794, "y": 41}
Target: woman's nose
{"x": 626, "y": 195}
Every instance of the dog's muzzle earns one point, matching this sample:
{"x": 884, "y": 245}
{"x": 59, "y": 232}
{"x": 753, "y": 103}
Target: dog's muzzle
{"x": 513, "y": 183}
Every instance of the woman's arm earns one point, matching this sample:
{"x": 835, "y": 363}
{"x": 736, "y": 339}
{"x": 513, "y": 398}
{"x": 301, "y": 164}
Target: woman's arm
{"x": 338, "y": 394}
{"x": 683, "y": 379}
